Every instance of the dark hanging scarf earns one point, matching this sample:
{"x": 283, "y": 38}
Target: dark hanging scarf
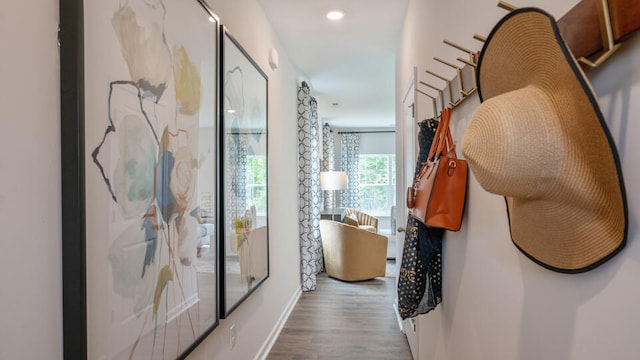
{"x": 420, "y": 281}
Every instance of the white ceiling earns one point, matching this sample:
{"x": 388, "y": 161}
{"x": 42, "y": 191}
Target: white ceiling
{"x": 350, "y": 63}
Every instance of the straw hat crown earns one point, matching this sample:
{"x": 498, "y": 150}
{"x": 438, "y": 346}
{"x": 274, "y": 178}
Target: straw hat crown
{"x": 540, "y": 140}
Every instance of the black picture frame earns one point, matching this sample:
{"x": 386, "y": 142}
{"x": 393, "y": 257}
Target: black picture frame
{"x": 244, "y": 241}
{"x": 139, "y": 132}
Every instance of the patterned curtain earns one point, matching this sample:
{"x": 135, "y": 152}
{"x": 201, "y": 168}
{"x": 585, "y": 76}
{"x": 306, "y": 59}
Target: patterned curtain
{"x": 328, "y": 159}
{"x": 237, "y": 177}
{"x": 309, "y": 189}
{"x": 350, "y": 161}
{"x": 328, "y": 156}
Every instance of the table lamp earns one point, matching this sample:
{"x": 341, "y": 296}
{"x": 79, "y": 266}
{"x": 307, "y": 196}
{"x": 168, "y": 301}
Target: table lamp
{"x": 331, "y": 181}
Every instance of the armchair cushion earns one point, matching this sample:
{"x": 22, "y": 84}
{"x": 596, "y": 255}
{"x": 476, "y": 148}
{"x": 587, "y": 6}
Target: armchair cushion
{"x": 365, "y": 221}
{"x": 351, "y": 253}
{"x": 351, "y": 219}
{"x": 368, "y": 228}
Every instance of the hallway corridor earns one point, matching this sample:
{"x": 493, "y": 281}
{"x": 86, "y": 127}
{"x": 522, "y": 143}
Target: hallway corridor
{"x": 342, "y": 320}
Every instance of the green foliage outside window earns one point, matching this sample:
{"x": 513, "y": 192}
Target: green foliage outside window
{"x": 374, "y": 170}
{"x": 257, "y": 182}
{"x": 377, "y": 183}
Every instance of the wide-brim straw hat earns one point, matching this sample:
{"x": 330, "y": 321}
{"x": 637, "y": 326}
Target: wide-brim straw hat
{"x": 540, "y": 140}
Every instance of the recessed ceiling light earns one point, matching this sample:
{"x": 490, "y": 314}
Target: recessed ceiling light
{"x": 335, "y": 14}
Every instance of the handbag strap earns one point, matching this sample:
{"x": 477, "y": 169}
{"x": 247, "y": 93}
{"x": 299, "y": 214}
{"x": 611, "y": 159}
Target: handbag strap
{"x": 442, "y": 136}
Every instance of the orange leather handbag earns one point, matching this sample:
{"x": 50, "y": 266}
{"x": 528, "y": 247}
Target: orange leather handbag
{"x": 440, "y": 189}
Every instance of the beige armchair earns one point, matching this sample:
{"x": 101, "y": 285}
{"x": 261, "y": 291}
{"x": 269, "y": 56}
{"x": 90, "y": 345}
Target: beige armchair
{"x": 364, "y": 220}
{"x": 352, "y": 254}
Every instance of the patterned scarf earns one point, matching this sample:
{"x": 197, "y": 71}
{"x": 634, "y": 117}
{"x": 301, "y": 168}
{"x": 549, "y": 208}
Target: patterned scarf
{"x": 420, "y": 280}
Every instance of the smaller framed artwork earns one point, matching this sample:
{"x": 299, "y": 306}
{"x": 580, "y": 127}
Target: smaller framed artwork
{"x": 244, "y": 242}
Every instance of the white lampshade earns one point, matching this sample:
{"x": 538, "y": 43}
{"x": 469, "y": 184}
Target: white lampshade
{"x": 333, "y": 180}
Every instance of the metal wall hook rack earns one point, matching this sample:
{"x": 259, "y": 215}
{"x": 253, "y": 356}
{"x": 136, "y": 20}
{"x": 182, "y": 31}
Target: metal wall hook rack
{"x": 606, "y": 32}
{"x": 617, "y": 20}
{"x": 577, "y": 34}
{"x": 452, "y": 103}
{"x": 440, "y": 91}
{"x": 426, "y": 94}
{"x": 433, "y": 100}
{"x": 460, "y": 84}
{"x": 472, "y": 54}
{"x": 471, "y": 62}
{"x": 472, "y": 90}
{"x": 448, "y": 86}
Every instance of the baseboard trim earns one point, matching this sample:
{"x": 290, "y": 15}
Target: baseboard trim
{"x": 275, "y": 332}
{"x": 395, "y": 311}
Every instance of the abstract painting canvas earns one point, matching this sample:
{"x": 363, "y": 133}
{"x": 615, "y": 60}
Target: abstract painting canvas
{"x": 144, "y": 163}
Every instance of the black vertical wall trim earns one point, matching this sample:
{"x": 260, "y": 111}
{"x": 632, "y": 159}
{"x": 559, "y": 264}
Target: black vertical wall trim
{"x": 222, "y": 226}
{"x": 73, "y": 180}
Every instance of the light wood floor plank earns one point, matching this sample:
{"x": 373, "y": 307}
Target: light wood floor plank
{"x": 343, "y": 320}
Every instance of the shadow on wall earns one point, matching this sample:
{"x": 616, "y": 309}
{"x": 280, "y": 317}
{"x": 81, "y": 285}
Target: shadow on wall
{"x": 553, "y": 301}
{"x": 550, "y": 318}
{"x": 551, "y": 305}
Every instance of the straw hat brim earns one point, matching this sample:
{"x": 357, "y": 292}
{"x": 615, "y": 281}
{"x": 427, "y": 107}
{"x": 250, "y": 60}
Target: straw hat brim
{"x": 564, "y": 191}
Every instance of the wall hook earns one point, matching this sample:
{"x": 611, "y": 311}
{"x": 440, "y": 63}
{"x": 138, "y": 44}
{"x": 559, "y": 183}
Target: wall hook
{"x": 459, "y": 74}
{"x": 461, "y": 48}
{"x": 433, "y": 100}
{"x": 475, "y": 85}
{"x": 480, "y": 38}
{"x": 606, "y": 31}
{"x": 470, "y": 63}
{"x": 505, "y": 5}
{"x": 436, "y": 89}
{"x": 448, "y": 87}
{"x": 446, "y": 63}
{"x": 472, "y": 54}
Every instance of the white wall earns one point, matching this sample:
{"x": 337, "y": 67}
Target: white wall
{"x": 256, "y": 317}
{"x": 378, "y": 143}
{"x": 370, "y": 144}
{"x": 30, "y": 243}
{"x": 497, "y": 304}
{"x": 30, "y": 214}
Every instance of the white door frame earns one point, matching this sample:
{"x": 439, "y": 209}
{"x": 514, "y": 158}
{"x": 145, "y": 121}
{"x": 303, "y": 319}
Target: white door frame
{"x": 406, "y": 152}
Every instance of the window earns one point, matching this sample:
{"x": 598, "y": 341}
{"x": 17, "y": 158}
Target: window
{"x": 377, "y": 183}
{"x": 257, "y": 183}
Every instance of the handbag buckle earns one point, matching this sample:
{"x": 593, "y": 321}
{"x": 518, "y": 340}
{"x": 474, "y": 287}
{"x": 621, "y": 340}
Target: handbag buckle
{"x": 452, "y": 167}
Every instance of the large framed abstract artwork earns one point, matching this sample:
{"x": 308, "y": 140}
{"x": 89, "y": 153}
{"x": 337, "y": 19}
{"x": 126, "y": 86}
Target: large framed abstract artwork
{"x": 244, "y": 245}
{"x": 140, "y": 110}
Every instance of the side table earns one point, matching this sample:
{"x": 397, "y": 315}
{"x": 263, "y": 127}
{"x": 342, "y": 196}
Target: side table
{"x": 337, "y": 215}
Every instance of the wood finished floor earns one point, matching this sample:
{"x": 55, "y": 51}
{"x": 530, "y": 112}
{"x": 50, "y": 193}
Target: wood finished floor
{"x": 341, "y": 320}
